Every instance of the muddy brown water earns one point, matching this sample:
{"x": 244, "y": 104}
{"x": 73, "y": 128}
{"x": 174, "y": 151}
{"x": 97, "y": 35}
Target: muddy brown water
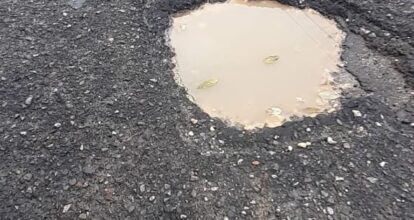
{"x": 257, "y": 63}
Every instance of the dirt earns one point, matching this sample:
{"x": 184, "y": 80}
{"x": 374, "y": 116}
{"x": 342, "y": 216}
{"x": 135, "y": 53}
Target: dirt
{"x": 93, "y": 125}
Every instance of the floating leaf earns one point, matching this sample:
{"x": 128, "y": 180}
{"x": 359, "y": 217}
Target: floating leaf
{"x": 270, "y": 59}
{"x": 311, "y": 110}
{"x": 207, "y": 84}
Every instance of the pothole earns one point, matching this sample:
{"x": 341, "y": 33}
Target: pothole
{"x": 257, "y": 63}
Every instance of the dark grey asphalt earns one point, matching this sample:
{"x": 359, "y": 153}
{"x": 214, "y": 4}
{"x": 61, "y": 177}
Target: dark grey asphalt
{"x": 93, "y": 125}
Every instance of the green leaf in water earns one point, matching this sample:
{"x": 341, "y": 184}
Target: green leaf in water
{"x": 270, "y": 59}
{"x": 207, "y": 84}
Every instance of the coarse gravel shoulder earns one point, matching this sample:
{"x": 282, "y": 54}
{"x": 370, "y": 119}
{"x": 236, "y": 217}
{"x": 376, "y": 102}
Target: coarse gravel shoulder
{"x": 93, "y": 125}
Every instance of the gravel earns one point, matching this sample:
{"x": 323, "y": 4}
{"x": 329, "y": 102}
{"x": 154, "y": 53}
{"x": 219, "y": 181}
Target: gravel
{"x": 90, "y": 66}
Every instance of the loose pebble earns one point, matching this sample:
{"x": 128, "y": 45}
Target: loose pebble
{"x": 28, "y": 100}
{"x": 372, "y": 179}
{"x": 330, "y": 210}
{"x": 304, "y": 144}
{"x": 347, "y": 145}
{"x": 357, "y": 113}
{"x": 338, "y": 178}
{"x": 330, "y": 141}
{"x": 66, "y": 208}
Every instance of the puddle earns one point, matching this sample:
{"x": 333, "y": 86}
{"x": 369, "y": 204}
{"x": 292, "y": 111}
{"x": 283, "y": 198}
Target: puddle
{"x": 257, "y": 63}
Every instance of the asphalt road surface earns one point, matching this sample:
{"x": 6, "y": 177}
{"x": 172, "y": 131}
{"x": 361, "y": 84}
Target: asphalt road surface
{"x": 93, "y": 125}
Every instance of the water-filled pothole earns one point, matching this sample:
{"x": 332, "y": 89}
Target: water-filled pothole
{"x": 257, "y": 63}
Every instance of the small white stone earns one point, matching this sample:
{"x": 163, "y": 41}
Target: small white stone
{"x": 330, "y": 141}
{"x": 152, "y": 198}
{"x": 212, "y": 128}
{"x": 28, "y": 100}
{"x": 289, "y": 148}
{"x": 378, "y": 124}
{"x": 253, "y": 202}
{"x": 190, "y": 133}
{"x": 308, "y": 129}
{"x": 357, "y": 113}
{"x": 58, "y": 125}
{"x": 183, "y": 216}
{"x": 239, "y": 161}
{"x": 111, "y": 39}
{"x": 272, "y": 153}
{"x": 383, "y": 163}
{"x": 330, "y": 210}
{"x": 194, "y": 121}
{"x": 372, "y": 179}
{"x": 304, "y": 144}
{"x": 338, "y": 178}
{"x": 214, "y": 188}
{"x": 142, "y": 188}
{"x": 66, "y": 208}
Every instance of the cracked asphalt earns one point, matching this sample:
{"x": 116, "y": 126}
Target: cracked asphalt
{"x": 93, "y": 125}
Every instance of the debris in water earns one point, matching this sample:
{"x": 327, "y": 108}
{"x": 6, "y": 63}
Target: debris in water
{"x": 274, "y": 111}
{"x": 207, "y": 84}
{"x": 270, "y": 59}
{"x": 311, "y": 110}
{"x": 328, "y": 95}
